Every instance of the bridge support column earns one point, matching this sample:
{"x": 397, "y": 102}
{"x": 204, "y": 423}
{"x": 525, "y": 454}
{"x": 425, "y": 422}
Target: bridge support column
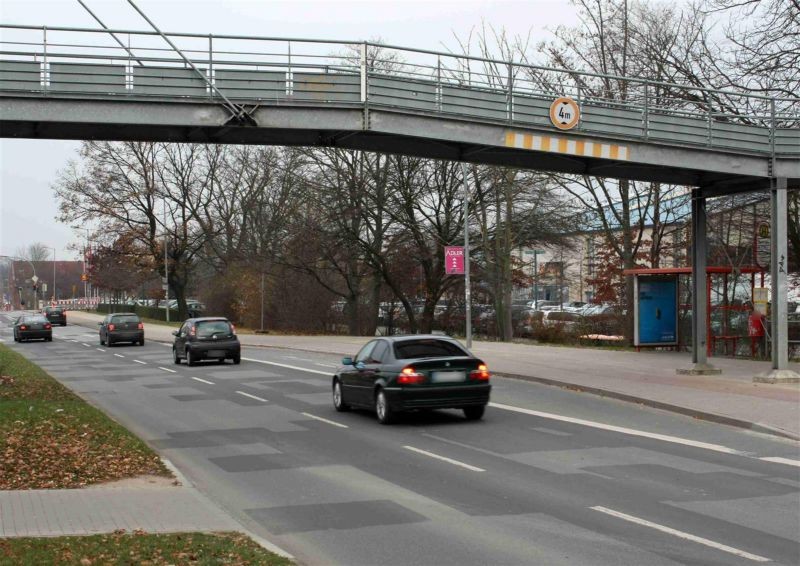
{"x": 700, "y": 365}
{"x": 779, "y": 331}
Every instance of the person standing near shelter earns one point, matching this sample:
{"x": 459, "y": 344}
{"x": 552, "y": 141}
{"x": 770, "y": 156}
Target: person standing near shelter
{"x": 756, "y": 331}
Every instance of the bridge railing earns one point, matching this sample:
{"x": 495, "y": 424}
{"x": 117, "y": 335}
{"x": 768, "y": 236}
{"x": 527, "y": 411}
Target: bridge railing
{"x": 83, "y": 62}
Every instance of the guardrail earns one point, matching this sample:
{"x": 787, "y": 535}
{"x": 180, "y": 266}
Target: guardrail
{"x": 70, "y": 62}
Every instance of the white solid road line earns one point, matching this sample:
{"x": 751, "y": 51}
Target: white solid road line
{"x": 119, "y": 355}
{"x": 780, "y": 460}
{"x": 310, "y": 416}
{"x": 287, "y": 366}
{"x": 167, "y": 369}
{"x": 325, "y": 365}
{"x": 203, "y": 380}
{"x": 140, "y": 362}
{"x": 444, "y": 459}
{"x": 252, "y": 396}
{"x": 624, "y": 430}
{"x": 681, "y": 534}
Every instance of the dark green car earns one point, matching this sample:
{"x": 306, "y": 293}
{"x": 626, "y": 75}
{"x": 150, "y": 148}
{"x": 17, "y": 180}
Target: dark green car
{"x": 406, "y": 373}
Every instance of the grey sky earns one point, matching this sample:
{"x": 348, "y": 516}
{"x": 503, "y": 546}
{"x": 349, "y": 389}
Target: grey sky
{"x": 29, "y": 167}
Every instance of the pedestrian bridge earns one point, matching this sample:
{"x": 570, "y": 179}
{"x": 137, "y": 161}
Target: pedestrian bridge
{"x": 75, "y": 83}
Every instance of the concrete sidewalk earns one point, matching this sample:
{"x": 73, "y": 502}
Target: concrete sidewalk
{"x": 646, "y": 377}
{"x": 158, "y": 508}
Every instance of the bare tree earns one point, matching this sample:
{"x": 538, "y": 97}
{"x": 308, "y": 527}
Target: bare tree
{"x": 36, "y": 251}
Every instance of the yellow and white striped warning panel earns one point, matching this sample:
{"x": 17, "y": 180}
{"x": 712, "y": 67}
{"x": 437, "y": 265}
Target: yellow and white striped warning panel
{"x": 568, "y": 146}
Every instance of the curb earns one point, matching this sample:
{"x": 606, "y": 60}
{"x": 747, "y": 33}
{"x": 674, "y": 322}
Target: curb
{"x": 694, "y": 413}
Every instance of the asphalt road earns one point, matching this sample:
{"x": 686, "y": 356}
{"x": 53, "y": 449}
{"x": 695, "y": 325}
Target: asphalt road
{"x": 548, "y": 477}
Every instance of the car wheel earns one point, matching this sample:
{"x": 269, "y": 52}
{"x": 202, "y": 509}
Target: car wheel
{"x": 102, "y": 342}
{"x": 175, "y": 359}
{"x": 141, "y": 342}
{"x": 382, "y": 409}
{"x": 474, "y": 413}
{"x": 190, "y": 361}
{"x": 338, "y": 399}
{"x": 49, "y": 339}
{"x": 109, "y": 342}
{"x": 237, "y": 359}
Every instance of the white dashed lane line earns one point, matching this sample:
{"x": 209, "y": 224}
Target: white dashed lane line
{"x": 119, "y": 355}
{"x": 100, "y": 350}
{"x": 252, "y": 396}
{"x": 325, "y": 365}
{"x": 445, "y": 459}
{"x": 310, "y": 416}
{"x": 203, "y": 380}
{"x": 87, "y": 345}
{"x": 167, "y": 369}
{"x": 680, "y": 534}
{"x": 140, "y": 362}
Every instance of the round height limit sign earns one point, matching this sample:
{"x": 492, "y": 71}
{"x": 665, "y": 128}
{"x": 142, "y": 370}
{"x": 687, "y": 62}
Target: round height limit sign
{"x": 564, "y": 113}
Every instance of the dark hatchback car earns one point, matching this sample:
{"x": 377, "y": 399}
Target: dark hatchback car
{"x": 31, "y": 326}
{"x": 121, "y": 327}
{"x": 391, "y": 375}
{"x": 208, "y": 338}
{"x": 56, "y": 315}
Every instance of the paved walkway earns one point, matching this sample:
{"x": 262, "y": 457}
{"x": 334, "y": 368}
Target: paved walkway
{"x": 154, "y": 506}
{"x": 644, "y": 377}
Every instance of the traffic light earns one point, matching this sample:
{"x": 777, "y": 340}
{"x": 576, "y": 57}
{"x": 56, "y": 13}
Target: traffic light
{"x": 35, "y": 286}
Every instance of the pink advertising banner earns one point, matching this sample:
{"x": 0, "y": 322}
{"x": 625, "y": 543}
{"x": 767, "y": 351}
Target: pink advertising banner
{"x": 454, "y": 260}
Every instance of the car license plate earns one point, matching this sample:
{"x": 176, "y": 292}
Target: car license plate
{"x": 216, "y": 353}
{"x": 448, "y": 376}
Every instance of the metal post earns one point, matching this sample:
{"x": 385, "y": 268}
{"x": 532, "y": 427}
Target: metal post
{"x": 439, "y": 83}
{"x": 646, "y": 116}
{"x": 166, "y": 264}
{"x": 700, "y": 365}
{"x": 210, "y": 64}
{"x": 535, "y": 280}
{"x": 510, "y": 93}
{"x": 54, "y": 274}
{"x": 363, "y": 73}
{"x": 45, "y": 68}
{"x": 467, "y": 297}
{"x": 262, "y": 300}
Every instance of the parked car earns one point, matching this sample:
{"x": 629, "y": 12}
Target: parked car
{"x": 206, "y": 338}
{"x": 395, "y": 374}
{"x": 121, "y": 327}
{"x": 30, "y": 326}
{"x": 56, "y": 315}
{"x": 567, "y": 319}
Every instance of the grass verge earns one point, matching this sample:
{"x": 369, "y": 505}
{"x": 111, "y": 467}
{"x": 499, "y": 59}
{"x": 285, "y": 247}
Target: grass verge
{"x": 139, "y": 548}
{"x": 50, "y": 438}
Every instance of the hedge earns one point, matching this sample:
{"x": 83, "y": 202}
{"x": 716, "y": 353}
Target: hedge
{"x": 155, "y": 313}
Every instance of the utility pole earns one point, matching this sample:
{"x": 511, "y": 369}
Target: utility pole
{"x": 166, "y": 264}
{"x": 467, "y": 297}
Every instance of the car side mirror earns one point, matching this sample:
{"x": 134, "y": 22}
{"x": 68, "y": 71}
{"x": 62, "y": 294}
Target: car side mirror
{"x": 347, "y": 361}
{"x": 176, "y": 332}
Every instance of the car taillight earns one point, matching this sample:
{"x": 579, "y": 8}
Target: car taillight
{"x": 480, "y": 374}
{"x": 48, "y": 326}
{"x": 23, "y": 327}
{"x": 140, "y": 326}
{"x": 193, "y": 331}
{"x": 410, "y": 376}
{"x": 111, "y": 327}
{"x": 233, "y": 329}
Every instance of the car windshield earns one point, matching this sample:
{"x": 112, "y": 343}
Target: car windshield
{"x": 123, "y": 318}
{"x": 209, "y": 328}
{"x": 54, "y": 310}
{"x": 427, "y": 348}
{"x": 38, "y": 318}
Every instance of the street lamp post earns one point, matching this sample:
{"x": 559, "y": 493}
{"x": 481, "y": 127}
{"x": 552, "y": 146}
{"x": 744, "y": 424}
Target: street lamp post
{"x": 54, "y": 272}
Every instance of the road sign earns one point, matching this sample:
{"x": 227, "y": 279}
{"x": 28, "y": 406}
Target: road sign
{"x": 454, "y": 260}
{"x": 564, "y": 113}
{"x": 34, "y": 279}
{"x": 165, "y": 287}
{"x": 763, "y": 245}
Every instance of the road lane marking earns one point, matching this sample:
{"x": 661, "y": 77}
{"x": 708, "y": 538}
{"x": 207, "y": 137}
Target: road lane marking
{"x": 623, "y": 430}
{"x": 203, "y": 380}
{"x": 325, "y": 365}
{"x": 310, "y": 416}
{"x": 87, "y": 345}
{"x": 252, "y": 396}
{"x": 780, "y": 460}
{"x": 140, "y": 362}
{"x": 681, "y": 534}
{"x": 100, "y": 350}
{"x": 287, "y": 366}
{"x": 444, "y": 459}
{"x": 167, "y": 369}
{"x": 119, "y": 355}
